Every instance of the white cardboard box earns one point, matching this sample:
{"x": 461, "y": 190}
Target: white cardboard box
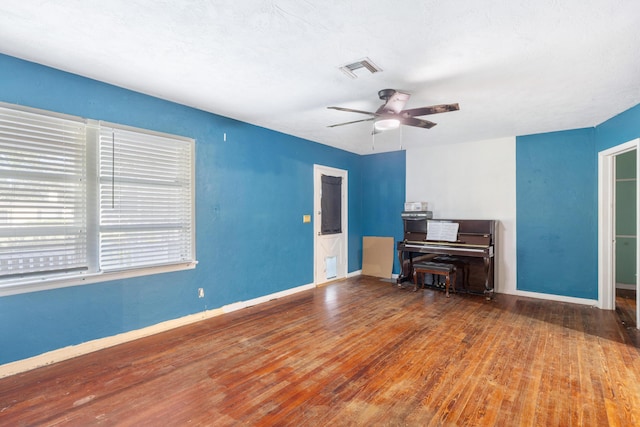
{"x": 415, "y": 206}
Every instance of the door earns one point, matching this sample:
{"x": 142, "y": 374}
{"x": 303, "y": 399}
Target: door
{"x": 330, "y": 225}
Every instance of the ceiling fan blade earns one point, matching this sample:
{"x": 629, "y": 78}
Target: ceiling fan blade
{"x": 391, "y": 111}
{"x": 395, "y": 103}
{"x": 434, "y": 109}
{"x": 421, "y": 123}
{"x": 348, "y": 123}
{"x": 351, "y": 110}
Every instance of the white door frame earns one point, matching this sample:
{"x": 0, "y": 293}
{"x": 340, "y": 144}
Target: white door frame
{"x": 607, "y": 226}
{"x": 319, "y": 170}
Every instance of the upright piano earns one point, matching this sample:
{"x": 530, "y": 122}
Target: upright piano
{"x": 473, "y": 248}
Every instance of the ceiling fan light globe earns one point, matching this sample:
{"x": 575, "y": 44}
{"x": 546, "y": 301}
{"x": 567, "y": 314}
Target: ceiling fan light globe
{"x": 387, "y": 124}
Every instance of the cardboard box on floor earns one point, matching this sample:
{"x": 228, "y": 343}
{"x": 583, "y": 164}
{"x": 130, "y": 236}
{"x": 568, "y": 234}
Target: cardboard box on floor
{"x": 377, "y": 256}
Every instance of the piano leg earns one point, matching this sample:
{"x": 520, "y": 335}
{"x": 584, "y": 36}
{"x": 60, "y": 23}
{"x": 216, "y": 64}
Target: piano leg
{"x": 488, "y": 290}
{"x": 402, "y": 277}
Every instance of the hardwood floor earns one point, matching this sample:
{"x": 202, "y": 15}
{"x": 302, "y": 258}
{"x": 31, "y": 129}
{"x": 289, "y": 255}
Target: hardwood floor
{"x": 626, "y": 309}
{"x": 356, "y": 352}
{"x": 626, "y": 306}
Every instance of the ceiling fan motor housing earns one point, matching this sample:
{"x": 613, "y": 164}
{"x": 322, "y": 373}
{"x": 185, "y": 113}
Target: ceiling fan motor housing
{"x": 385, "y": 94}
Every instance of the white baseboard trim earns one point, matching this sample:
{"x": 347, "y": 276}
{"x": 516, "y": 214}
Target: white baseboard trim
{"x": 354, "y": 274}
{"x": 244, "y": 304}
{"x": 559, "y": 298}
{"x": 72, "y": 351}
{"x": 626, "y": 286}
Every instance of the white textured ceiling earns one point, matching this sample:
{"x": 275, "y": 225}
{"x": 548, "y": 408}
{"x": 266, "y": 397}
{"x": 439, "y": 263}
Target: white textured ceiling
{"x": 515, "y": 66}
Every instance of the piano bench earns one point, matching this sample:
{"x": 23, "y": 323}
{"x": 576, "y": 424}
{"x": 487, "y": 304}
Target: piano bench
{"x": 447, "y": 270}
{"x": 461, "y": 266}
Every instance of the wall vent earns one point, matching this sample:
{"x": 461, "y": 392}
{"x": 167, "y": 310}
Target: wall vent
{"x": 365, "y": 63}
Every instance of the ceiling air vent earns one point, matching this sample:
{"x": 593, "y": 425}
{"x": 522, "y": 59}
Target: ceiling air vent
{"x": 366, "y": 63}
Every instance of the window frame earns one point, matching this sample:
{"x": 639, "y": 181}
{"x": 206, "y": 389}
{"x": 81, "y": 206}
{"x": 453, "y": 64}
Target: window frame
{"x": 53, "y": 280}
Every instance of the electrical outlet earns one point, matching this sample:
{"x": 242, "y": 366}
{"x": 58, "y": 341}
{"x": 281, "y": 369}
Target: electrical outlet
{"x": 200, "y": 293}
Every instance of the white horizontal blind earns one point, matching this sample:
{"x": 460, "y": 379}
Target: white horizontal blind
{"x": 43, "y": 218}
{"x": 146, "y": 206}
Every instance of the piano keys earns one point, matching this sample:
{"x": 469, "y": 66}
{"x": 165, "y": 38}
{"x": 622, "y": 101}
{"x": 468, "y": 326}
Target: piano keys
{"x": 473, "y": 246}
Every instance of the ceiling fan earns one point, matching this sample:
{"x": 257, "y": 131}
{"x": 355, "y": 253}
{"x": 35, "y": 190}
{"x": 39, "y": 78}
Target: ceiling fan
{"x": 390, "y": 115}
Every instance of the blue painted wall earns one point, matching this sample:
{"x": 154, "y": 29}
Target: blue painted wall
{"x": 383, "y": 196}
{"x": 619, "y": 129}
{"x": 557, "y": 205}
{"x": 251, "y": 193}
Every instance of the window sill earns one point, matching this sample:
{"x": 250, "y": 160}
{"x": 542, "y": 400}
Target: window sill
{"x": 14, "y": 287}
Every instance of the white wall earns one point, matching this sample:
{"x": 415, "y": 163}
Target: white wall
{"x": 475, "y": 180}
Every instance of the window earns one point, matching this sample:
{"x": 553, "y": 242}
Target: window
{"x": 331, "y": 204}
{"x": 43, "y": 217}
{"x": 145, "y": 199}
{"x": 84, "y": 201}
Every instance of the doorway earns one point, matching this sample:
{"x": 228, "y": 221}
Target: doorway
{"x": 625, "y": 237}
{"x": 612, "y": 238}
{"x": 330, "y": 208}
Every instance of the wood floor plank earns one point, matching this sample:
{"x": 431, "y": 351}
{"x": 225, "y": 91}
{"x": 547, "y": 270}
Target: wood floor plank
{"x": 355, "y": 352}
